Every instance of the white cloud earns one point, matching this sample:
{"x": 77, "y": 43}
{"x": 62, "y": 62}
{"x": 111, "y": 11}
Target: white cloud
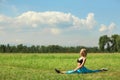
{"x": 104, "y": 28}
{"x": 4, "y": 19}
{"x": 49, "y": 19}
{"x": 89, "y": 22}
{"x": 43, "y": 19}
{"x": 111, "y": 26}
{"x": 55, "y": 31}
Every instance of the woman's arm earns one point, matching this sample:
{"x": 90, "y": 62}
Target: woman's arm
{"x": 80, "y": 65}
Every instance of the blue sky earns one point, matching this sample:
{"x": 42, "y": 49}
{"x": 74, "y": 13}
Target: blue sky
{"x": 58, "y": 22}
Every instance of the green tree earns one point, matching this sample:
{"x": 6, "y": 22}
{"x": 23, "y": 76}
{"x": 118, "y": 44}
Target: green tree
{"x": 118, "y": 43}
{"x": 2, "y": 48}
{"x": 110, "y": 44}
{"x": 104, "y": 42}
{"x": 20, "y": 48}
{"x": 115, "y": 42}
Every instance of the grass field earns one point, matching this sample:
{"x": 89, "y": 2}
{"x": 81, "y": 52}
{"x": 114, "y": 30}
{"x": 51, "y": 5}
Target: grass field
{"x": 41, "y": 66}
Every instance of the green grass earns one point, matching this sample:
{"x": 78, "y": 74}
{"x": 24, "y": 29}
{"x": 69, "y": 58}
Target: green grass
{"x": 41, "y": 66}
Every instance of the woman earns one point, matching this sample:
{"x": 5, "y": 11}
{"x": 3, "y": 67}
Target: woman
{"x": 80, "y": 65}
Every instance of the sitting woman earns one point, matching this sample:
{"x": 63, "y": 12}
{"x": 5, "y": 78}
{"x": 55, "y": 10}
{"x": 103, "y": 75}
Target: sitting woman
{"x": 80, "y": 65}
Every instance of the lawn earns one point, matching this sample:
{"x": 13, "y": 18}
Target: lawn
{"x": 41, "y": 66}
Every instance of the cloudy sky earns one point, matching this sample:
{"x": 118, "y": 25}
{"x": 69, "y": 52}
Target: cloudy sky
{"x": 58, "y": 22}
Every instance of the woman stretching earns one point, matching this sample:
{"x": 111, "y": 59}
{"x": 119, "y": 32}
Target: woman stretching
{"x": 80, "y": 65}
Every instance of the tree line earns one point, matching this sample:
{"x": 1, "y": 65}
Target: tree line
{"x": 42, "y": 49}
{"x": 106, "y": 44}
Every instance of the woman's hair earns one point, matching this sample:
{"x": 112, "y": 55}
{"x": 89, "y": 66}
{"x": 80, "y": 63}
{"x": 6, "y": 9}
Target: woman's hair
{"x": 83, "y": 52}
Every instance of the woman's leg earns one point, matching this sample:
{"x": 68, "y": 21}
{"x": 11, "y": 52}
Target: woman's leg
{"x": 65, "y": 72}
{"x": 85, "y": 70}
{"x": 69, "y": 72}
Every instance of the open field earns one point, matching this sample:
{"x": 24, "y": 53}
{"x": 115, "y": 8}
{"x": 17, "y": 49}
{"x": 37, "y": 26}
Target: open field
{"x": 41, "y": 66}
